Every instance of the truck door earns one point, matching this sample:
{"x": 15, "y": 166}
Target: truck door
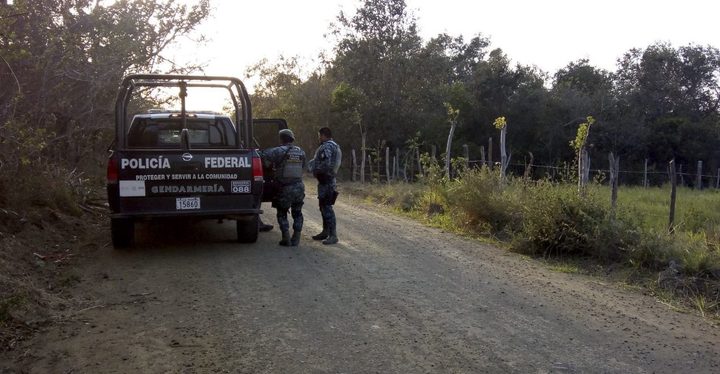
{"x": 265, "y": 131}
{"x": 265, "y": 134}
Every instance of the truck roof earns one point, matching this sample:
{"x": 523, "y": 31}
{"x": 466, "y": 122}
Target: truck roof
{"x": 172, "y": 114}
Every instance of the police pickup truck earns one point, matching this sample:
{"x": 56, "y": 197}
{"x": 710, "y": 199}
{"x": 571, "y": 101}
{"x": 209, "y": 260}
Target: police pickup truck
{"x": 184, "y": 164}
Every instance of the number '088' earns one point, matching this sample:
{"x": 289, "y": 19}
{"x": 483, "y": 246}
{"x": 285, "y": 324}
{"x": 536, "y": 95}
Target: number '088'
{"x": 241, "y": 189}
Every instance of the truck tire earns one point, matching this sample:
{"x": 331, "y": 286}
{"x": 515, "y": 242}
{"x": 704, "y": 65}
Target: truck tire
{"x": 247, "y": 229}
{"x": 122, "y": 231}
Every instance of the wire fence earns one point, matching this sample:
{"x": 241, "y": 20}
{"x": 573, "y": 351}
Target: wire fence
{"x": 651, "y": 177}
{"x": 404, "y": 165}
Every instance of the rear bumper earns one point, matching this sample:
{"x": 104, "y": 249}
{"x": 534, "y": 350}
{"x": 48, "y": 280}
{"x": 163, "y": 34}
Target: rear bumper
{"x": 211, "y": 206}
{"x": 228, "y": 214}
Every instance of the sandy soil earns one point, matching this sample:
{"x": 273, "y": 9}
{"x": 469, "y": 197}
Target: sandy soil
{"x": 393, "y": 296}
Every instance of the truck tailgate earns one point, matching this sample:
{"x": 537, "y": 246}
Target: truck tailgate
{"x": 198, "y": 182}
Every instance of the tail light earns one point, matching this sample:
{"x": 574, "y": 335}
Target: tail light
{"x": 112, "y": 170}
{"x": 257, "y": 169}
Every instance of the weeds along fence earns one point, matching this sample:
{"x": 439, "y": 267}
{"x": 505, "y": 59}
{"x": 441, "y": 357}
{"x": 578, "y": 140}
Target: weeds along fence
{"x": 409, "y": 164}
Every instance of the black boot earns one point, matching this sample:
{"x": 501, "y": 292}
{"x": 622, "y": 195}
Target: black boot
{"x": 264, "y": 227}
{"x": 331, "y": 238}
{"x": 295, "y": 240}
{"x": 323, "y": 235}
{"x": 285, "y": 242}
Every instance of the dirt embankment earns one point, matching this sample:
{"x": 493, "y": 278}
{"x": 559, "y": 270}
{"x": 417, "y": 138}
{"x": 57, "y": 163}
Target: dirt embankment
{"x": 39, "y": 251}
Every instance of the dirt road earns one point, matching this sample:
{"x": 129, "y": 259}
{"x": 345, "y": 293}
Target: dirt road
{"x": 393, "y": 297}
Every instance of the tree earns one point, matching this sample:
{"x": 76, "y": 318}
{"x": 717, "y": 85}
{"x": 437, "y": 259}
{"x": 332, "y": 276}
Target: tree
{"x": 452, "y": 116}
{"x": 583, "y": 159}
{"x": 501, "y": 124}
{"x": 661, "y": 102}
{"x": 68, "y": 57}
{"x": 669, "y": 98}
{"x": 351, "y": 101}
{"x": 374, "y": 56}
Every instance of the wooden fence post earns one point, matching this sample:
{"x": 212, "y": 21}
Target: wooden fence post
{"x": 489, "y": 154}
{"x": 466, "y": 154}
{"x": 717, "y": 181}
{"x": 504, "y": 161}
{"x": 354, "y": 165}
{"x": 682, "y": 177}
{"x": 397, "y": 163}
{"x": 698, "y": 182}
{"x": 405, "y": 171}
{"x": 673, "y": 196}
{"x": 363, "y": 152}
{"x": 369, "y": 161}
{"x": 394, "y": 168}
{"x": 433, "y": 150}
{"x": 379, "y": 158}
{"x": 482, "y": 155}
{"x": 614, "y": 176}
{"x": 583, "y": 170}
{"x": 420, "y": 168}
{"x": 387, "y": 164}
{"x": 410, "y": 160}
{"x": 645, "y": 178}
{"x": 528, "y": 167}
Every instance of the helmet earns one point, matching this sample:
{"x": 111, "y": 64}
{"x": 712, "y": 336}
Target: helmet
{"x": 288, "y": 133}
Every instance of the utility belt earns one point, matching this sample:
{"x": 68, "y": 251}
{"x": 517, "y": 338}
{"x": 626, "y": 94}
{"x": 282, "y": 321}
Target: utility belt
{"x": 324, "y": 178}
{"x": 275, "y": 186}
{"x": 290, "y": 182}
{"x": 327, "y": 197}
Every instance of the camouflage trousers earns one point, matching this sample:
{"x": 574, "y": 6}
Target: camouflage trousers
{"x": 290, "y": 199}
{"x": 325, "y": 191}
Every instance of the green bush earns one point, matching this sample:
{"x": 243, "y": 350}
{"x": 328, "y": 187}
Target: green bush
{"x": 481, "y": 197}
{"x": 558, "y": 222}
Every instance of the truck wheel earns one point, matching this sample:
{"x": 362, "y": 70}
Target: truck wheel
{"x": 247, "y": 229}
{"x": 122, "y": 231}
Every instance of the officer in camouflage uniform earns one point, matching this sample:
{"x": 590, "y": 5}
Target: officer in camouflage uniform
{"x": 288, "y": 160}
{"x": 324, "y": 167}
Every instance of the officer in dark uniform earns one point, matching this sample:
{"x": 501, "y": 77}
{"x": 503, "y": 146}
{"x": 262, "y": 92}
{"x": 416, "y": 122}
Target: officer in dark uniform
{"x": 324, "y": 167}
{"x": 288, "y": 161}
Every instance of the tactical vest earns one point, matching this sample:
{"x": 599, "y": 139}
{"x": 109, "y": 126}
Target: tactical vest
{"x": 291, "y": 167}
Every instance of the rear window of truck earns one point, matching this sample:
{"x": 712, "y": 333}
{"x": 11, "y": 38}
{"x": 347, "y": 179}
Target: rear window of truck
{"x": 165, "y": 133}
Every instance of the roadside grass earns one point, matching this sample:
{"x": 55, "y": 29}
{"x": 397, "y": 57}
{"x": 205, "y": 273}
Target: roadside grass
{"x": 565, "y": 267}
{"x": 696, "y": 210}
{"x": 578, "y": 233}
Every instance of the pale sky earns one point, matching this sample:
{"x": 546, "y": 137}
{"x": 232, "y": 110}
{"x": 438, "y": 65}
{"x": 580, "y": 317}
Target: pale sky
{"x": 548, "y": 33}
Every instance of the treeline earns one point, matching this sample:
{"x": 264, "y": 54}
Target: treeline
{"x": 384, "y": 83}
{"x": 60, "y": 65}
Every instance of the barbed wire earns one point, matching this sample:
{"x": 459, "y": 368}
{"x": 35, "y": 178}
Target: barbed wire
{"x": 649, "y": 172}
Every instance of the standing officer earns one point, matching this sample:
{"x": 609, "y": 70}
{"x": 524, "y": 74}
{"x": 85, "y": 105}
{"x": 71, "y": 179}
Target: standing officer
{"x": 324, "y": 167}
{"x": 288, "y": 161}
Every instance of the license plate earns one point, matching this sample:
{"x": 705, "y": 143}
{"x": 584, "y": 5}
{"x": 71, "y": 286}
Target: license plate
{"x": 240, "y": 186}
{"x": 187, "y": 203}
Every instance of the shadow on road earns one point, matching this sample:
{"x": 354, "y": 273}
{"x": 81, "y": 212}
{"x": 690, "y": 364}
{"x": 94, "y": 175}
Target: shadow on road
{"x": 174, "y": 235}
